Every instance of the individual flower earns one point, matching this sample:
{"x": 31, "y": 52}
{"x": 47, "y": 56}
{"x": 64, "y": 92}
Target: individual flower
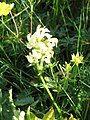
{"x": 42, "y": 32}
{"x": 77, "y": 59}
{"x": 5, "y": 8}
{"x": 53, "y": 42}
{"x": 30, "y": 58}
{"x": 47, "y": 57}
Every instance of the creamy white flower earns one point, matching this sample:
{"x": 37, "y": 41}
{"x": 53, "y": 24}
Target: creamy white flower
{"x": 36, "y": 54}
{"x": 44, "y": 29}
{"x": 31, "y": 44}
{"x": 42, "y": 46}
{"x": 53, "y": 42}
{"x": 50, "y": 51}
{"x": 22, "y": 115}
{"x": 29, "y": 36}
{"x": 48, "y": 56}
{"x": 47, "y": 59}
{"x": 47, "y": 35}
{"x": 31, "y": 41}
{"x": 12, "y": 5}
{"x": 42, "y": 32}
{"x": 30, "y": 58}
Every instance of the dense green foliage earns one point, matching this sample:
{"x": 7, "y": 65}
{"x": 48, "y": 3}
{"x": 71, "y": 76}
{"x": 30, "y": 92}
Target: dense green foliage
{"x": 68, "y": 20}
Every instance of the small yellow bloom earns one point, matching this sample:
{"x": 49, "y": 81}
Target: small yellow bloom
{"x": 76, "y": 59}
{"x": 5, "y": 8}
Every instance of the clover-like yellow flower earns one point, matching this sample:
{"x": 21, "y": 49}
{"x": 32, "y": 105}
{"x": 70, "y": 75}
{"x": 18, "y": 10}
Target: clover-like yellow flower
{"x": 5, "y": 8}
{"x": 77, "y": 59}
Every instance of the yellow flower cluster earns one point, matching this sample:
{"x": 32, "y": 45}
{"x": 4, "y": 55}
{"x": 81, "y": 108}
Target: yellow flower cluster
{"x": 77, "y": 59}
{"x": 41, "y": 45}
{"x": 5, "y": 8}
{"x": 67, "y": 67}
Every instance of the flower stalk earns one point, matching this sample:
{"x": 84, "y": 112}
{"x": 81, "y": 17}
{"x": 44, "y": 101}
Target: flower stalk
{"x": 17, "y": 32}
{"x": 50, "y": 95}
{"x": 7, "y": 27}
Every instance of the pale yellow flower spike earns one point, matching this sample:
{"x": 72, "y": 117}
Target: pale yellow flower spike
{"x": 5, "y": 8}
{"x": 41, "y": 45}
{"x": 77, "y": 59}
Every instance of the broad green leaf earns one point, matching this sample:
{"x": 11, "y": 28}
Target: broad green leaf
{"x": 49, "y": 115}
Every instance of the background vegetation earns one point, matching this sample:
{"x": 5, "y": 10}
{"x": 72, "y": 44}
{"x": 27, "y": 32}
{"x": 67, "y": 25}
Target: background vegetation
{"x": 68, "y": 20}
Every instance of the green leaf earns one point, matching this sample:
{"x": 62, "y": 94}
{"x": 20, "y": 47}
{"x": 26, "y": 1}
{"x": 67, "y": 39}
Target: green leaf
{"x": 31, "y": 116}
{"x": 49, "y": 115}
{"x": 24, "y": 101}
{"x": 3, "y": 69}
{"x": 28, "y": 114}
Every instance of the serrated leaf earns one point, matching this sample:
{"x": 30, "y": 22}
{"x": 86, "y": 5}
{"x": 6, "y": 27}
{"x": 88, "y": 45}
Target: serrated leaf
{"x": 49, "y": 115}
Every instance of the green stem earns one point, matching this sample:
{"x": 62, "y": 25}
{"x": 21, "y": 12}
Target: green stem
{"x": 31, "y": 14}
{"x": 79, "y": 34}
{"x": 8, "y": 27}
{"x": 87, "y": 107}
{"x": 50, "y": 95}
{"x": 65, "y": 24}
{"x": 15, "y": 24}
